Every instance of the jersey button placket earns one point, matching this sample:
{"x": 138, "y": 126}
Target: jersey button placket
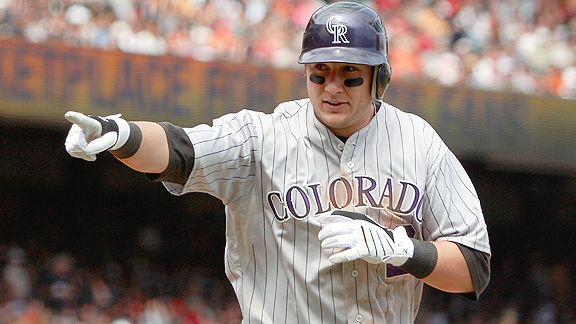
{"x": 350, "y": 293}
{"x": 358, "y": 318}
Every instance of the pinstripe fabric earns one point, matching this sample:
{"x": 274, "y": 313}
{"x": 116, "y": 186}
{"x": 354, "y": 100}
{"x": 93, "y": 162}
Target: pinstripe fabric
{"x": 276, "y": 172}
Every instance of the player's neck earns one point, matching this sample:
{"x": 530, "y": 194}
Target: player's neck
{"x": 375, "y": 107}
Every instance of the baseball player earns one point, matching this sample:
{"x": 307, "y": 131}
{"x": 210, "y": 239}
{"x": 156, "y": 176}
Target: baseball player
{"x": 339, "y": 207}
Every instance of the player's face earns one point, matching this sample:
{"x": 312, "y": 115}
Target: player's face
{"x": 340, "y": 94}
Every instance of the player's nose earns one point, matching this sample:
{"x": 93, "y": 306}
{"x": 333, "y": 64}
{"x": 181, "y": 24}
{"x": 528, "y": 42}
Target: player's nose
{"x": 334, "y": 83}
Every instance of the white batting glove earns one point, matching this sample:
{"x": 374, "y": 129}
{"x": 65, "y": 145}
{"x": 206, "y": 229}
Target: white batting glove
{"x": 358, "y": 236}
{"x": 90, "y": 135}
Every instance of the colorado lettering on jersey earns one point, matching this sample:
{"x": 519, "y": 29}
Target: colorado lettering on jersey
{"x": 302, "y": 201}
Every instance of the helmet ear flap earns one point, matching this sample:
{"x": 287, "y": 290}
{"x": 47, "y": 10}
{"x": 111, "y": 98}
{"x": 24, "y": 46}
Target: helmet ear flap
{"x": 381, "y": 78}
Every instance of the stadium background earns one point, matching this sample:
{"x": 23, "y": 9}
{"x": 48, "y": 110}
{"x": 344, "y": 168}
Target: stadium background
{"x": 157, "y": 257}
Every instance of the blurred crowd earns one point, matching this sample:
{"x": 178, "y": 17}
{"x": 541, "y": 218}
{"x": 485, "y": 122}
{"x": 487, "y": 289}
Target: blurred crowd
{"x": 56, "y": 289}
{"x": 524, "y": 46}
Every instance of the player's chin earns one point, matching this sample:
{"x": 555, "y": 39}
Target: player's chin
{"x": 341, "y": 128}
{"x": 333, "y": 113}
{"x": 336, "y": 120}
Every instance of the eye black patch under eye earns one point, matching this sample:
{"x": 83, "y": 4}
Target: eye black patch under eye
{"x": 317, "y": 79}
{"x": 354, "y": 82}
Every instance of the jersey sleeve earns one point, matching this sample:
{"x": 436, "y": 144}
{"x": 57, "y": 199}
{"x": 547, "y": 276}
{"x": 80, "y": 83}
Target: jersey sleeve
{"x": 451, "y": 208}
{"x": 224, "y": 157}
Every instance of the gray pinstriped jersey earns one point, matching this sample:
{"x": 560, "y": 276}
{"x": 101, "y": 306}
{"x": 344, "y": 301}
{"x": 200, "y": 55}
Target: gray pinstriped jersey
{"x": 276, "y": 172}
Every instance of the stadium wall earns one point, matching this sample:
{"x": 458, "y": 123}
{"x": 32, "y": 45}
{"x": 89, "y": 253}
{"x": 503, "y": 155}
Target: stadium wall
{"x": 42, "y": 81}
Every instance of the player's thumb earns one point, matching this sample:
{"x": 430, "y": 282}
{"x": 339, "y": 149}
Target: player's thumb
{"x": 102, "y": 143}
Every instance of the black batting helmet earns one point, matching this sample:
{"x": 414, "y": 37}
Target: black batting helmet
{"x": 348, "y": 32}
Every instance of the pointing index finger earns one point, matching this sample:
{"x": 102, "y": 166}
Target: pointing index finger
{"x": 85, "y": 122}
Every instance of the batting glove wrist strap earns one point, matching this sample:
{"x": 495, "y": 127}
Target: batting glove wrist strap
{"x": 132, "y": 143}
{"x": 128, "y": 135}
{"x": 423, "y": 260}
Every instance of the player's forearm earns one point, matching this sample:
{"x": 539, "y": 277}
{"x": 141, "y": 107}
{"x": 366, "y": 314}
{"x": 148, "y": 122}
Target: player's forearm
{"x": 152, "y": 155}
{"x": 451, "y": 273}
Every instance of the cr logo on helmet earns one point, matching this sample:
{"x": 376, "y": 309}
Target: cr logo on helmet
{"x": 338, "y": 30}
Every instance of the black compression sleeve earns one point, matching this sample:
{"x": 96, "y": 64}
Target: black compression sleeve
{"x": 479, "y": 267}
{"x": 181, "y": 160}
